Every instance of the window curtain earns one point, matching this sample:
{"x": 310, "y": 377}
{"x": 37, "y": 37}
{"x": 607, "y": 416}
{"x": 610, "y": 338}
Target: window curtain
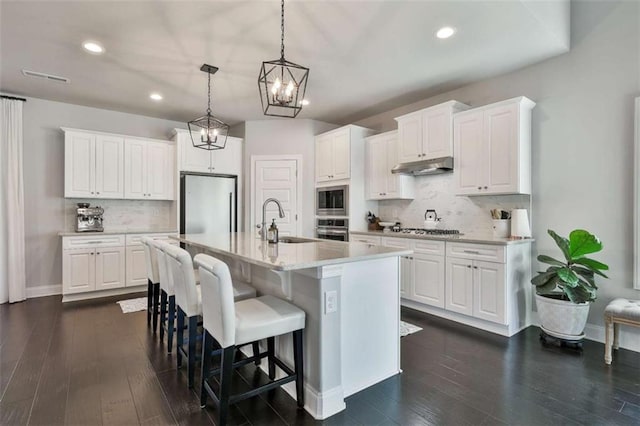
{"x": 12, "y": 261}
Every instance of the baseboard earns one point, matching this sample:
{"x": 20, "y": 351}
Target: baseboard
{"x": 44, "y": 290}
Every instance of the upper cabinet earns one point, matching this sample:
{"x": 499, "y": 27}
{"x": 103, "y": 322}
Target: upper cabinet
{"x": 493, "y": 148}
{"x": 148, "y": 170}
{"x": 340, "y": 154}
{"x": 103, "y": 165}
{"x": 427, "y": 133}
{"x": 223, "y": 161}
{"x": 381, "y": 157}
{"x": 93, "y": 165}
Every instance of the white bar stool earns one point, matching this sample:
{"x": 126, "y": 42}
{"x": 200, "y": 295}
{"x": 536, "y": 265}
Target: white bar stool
{"x": 167, "y": 295}
{"x": 188, "y": 301}
{"x": 229, "y": 325}
{"x": 153, "y": 282}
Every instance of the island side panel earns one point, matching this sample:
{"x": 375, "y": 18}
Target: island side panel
{"x": 370, "y": 323}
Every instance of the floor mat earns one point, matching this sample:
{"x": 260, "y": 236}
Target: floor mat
{"x": 406, "y": 328}
{"x": 133, "y": 305}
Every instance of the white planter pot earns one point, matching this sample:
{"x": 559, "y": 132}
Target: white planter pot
{"x": 562, "y": 318}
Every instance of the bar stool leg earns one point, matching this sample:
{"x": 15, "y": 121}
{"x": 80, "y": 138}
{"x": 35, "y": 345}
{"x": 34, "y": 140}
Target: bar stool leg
{"x": 256, "y": 351}
{"x": 270, "y": 354}
{"x": 180, "y": 336}
{"x": 226, "y": 369}
{"x": 156, "y": 305}
{"x": 149, "y": 301}
{"x": 163, "y": 312}
{"x": 171, "y": 317}
{"x": 207, "y": 348}
{"x": 298, "y": 344}
{"x": 193, "y": 332}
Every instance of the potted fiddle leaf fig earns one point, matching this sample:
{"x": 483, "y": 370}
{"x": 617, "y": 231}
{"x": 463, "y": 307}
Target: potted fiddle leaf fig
{"x": 566, "y": 289}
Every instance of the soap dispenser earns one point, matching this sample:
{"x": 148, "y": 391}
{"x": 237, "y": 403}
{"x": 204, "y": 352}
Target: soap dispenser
{"x": 272, "y": 233}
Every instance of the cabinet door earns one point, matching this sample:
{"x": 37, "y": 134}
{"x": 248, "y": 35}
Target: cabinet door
{"x": 489, "y": 292}
{"x": 392, "y": 186}
{"x": 406, "y": 276}
{"x": 78, "y": 271}
{"x": 109, "y": 166}
{"x": 193, "y": 159}
{"x": 500, "y": 149}
{"x": 459, "y": 286}
{"x": 341, "y": 154}
{"x": 436, "y": 134}
{"x": 79, "y": 164}
{"x": 135, "y": 169}
{"x": 410, "y": 138}
{"x": 110, "y": 272}
{"x": 374, "y": 171}
{"x": 428, "y": 279}
{"x": 469, "y": 158}
{"x": 324, "y": 158}
{"x": 136, "y": 266}
{"x": 157, "y": 155}
{"x": 228, "y": 161}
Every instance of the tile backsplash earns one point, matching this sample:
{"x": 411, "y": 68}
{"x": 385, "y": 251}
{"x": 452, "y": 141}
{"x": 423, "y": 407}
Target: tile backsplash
{"x": 126, "y": 213}
{"x": 437, "y": 192}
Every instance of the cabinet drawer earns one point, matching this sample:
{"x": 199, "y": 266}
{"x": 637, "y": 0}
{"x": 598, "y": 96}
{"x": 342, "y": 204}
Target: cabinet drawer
{"x": 92, "y": 241}
{"x": 429, "y": 247}
{"x": 136, "y": 239}
{"x": 365, "y": 239}
{"x": 477, "y": 252}
{"x": 397, "y": 242}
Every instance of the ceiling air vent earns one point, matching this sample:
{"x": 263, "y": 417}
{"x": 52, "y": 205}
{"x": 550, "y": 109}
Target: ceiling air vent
{"x": 46, "y": 76}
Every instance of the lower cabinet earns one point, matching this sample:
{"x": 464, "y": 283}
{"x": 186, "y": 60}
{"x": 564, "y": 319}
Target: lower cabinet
{"x": 428, "y": 279}
{"x": 106, "y": 262}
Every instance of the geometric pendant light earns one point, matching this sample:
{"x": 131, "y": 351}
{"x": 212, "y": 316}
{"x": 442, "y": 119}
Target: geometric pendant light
{"x": 212, "y": 131}
{"x": 282, "y": 84}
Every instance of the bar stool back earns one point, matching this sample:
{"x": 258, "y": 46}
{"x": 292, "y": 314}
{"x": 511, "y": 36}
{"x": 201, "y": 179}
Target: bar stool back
{"x": 153, "y": 282}
{"x": 188, "y": 304}
{"x": 167, "y": 295}
{"x": 231, "y": 325}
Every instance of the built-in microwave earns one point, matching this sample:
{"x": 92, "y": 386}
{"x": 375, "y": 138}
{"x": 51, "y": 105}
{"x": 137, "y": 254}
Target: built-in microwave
{"x": 332, "y": 201}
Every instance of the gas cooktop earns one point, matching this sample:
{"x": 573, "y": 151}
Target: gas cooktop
{"x": 422, "y": 231}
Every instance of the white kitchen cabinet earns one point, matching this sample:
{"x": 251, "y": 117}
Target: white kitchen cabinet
{"x": 489, "y": 298}
{"x": 110, "y": 268}
{"x": 333, "y": 155}
{"x": 493, "y": 148}
{"x": 136, "y": 266}
{"x": 220, "y": 161}
{"x": 427, "y": 133}
{"x": 381, "y": 157}
{"x": 148, "y": 170}
{"x": 93, "y": 165}
{"x": 78, "y": 270}
{"x": 406, "y": 263}
{"x": 369, "y": 239}
{"x": 428, "y": 279}
{"x": 459, "y": 286}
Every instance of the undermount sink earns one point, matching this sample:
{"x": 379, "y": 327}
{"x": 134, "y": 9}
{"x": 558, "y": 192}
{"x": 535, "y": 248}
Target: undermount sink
{"x": 294, "y": 240}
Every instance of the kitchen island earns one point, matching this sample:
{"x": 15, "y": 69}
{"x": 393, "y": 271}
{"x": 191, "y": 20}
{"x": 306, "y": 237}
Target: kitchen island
{"x": 350, "y": 293}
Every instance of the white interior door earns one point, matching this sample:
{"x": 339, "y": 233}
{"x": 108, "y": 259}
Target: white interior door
{"x": 277, "y": 179}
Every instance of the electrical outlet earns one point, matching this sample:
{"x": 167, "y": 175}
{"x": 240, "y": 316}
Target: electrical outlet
{"x": 330, "y": 302}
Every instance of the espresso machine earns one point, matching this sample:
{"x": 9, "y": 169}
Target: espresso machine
{"x": 89, "y": 219}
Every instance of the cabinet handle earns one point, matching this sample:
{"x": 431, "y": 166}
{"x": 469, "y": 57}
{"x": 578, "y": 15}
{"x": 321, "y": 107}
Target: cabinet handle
{"x": 475, "y": 267}
{"x": 91, "y": 253}
{"x": 486, "y": 187}
{"x": 97, "y": 193}
{"x": 479, "y": 188}
{"x": 92, "y": 192}
{"x": 471, "y": 251}
{"x": 98, "y": 253}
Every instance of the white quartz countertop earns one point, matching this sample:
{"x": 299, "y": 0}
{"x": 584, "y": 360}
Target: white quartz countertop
{"x": 288, "y": 256}
{"x": 462, "y": 238}
{"x": 121, "y": 231}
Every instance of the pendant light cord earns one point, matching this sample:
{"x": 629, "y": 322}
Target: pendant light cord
{"x": 209, "y": 98}
{"x": 282, "y": 30}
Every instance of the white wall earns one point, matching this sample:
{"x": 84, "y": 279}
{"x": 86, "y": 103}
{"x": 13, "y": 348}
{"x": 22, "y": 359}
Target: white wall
{"x": 46, "y": 210}
{"x": 582, "y": 135}
{"x": 285, "y": 136}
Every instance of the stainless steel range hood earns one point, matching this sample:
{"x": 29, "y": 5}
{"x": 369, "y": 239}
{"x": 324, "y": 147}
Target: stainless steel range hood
{"x": 425, "y": 167}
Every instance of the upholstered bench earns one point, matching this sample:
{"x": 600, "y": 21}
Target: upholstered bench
{"x": 619, "y": 311}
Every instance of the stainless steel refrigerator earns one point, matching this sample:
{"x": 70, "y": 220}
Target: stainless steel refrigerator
{"x": 208, "y": 203}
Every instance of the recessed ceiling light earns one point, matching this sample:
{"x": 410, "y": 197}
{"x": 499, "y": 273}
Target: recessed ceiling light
{"x": 445, "y": 32}
{"x": 156, "y": 96}
{"x": 93, "y": 47}
{"x": 304, "y": 102}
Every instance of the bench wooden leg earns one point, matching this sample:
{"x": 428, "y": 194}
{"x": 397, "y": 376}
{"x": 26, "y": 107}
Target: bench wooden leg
{"x": 608, "y": 340}
{"x": 616, "y": 336}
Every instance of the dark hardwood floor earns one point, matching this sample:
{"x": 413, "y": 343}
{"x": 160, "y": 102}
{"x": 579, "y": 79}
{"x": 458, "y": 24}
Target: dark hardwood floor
{"x": 90, "y": 364}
